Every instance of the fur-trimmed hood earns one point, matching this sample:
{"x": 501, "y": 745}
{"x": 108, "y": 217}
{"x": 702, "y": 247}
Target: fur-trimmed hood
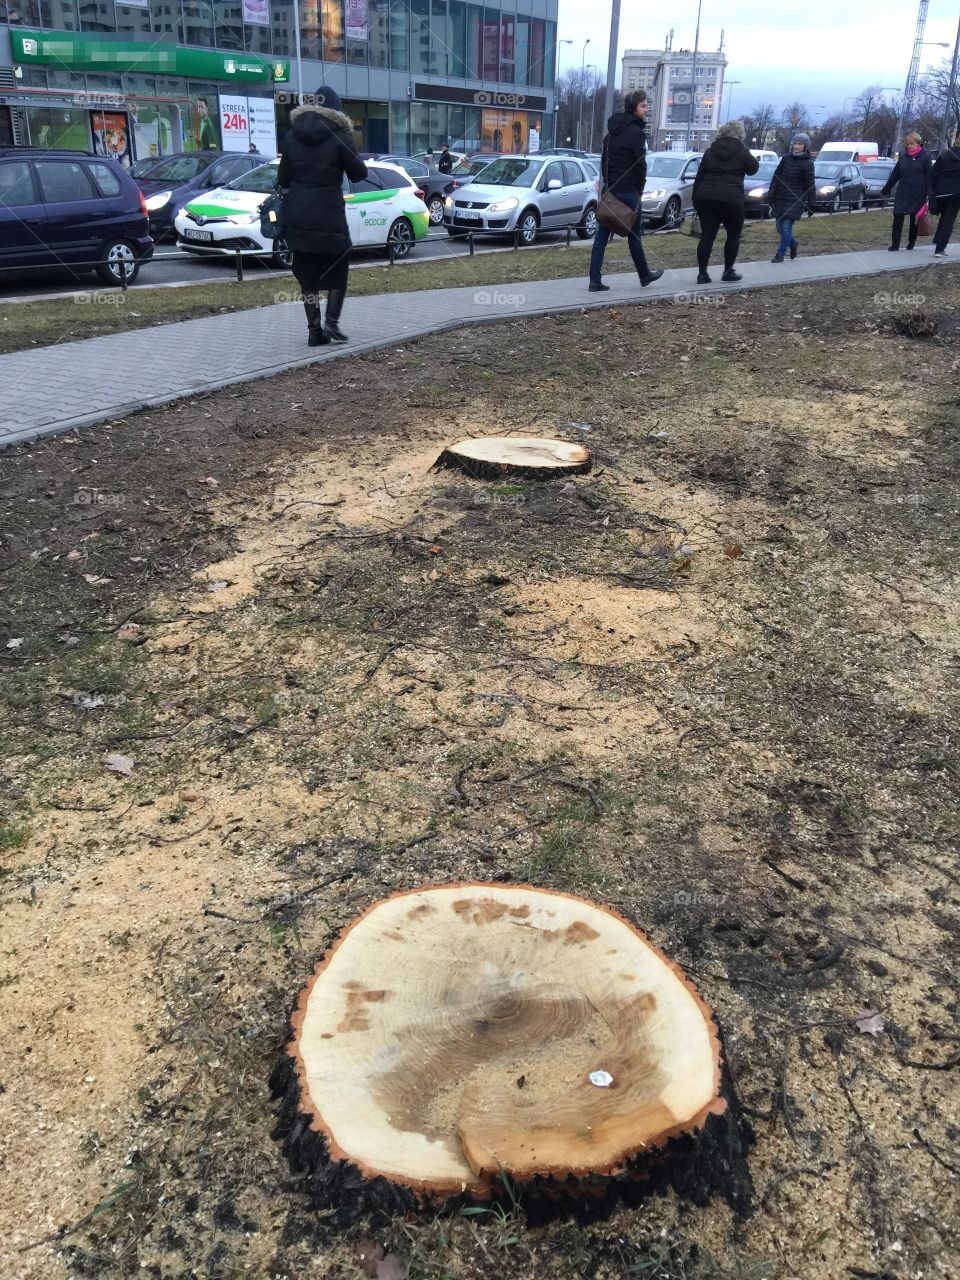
{"x": 313, "y": 124}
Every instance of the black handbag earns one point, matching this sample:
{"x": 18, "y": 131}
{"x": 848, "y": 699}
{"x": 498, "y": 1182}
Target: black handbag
{"x": 612, "y": 213}
{"x": 271, "y": 217}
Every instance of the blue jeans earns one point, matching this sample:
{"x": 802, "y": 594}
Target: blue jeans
{"x": 785, "y": 227}
{"x": 601, "y": 239}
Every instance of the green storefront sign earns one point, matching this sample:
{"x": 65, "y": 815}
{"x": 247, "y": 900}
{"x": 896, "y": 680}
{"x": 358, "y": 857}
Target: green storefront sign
{"x": 94, "y": 54}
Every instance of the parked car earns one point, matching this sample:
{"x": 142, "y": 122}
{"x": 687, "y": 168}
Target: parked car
{"x": 472, "y": 165}
{"x": 528, "y": 194}
{"x": 848, "y": 152}
{"x": 172, "y": 181}
{"x": 756, "y": 187}
{"x": 668, "y": 193}
{"x": 838, "y": 185}
{"x": 762, "y": 156}
{"x": 71, "y": 209}
{"x": 382, "y": 209}
{"x": 436, "y": 186}
{"x": 874, "y": 176}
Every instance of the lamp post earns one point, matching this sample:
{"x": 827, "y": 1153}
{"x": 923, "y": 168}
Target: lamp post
{"x": 557, "y": 121}
{"x": 583, "y": 58}
{"x": 693, "y": 79}
{"x": 729, "y": 85}
{"x": 951, "y": 87}
{"x": 593, "y": 99}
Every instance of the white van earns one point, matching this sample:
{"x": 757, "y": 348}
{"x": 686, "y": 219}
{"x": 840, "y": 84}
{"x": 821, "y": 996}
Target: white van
{"x": 764, "y": 156}
{"x": 849, "y": 152}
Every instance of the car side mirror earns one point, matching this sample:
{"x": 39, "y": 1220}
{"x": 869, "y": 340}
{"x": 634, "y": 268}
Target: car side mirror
{"x": 554, "y": 184}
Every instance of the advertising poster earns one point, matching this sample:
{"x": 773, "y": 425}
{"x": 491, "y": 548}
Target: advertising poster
{"x": 257, "y": 12}
{"x": 504, "y": 131}
{"x": 205, "y": 135}
{"x": 111, "y": 136}
{"x": 533, "y": 142}
{"x": 356, "y": 19}
{"x": 234, "y": 128}
{"x": 262, "y": 116}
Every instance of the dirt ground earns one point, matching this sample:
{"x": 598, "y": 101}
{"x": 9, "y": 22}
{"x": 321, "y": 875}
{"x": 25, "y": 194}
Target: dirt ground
{"x": 712, "y": 684}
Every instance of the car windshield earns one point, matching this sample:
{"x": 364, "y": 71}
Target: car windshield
{"x": 143, "y": 167}
{"x": 515, "y": 172}
{"x": 665, "y": 166}
{"x": 828, "y": 170}
{"x": 261, "y": 180}
{"x": 179, "y": 169}
{"x": 840, "y": 156}
{"x": 764, "y": 173}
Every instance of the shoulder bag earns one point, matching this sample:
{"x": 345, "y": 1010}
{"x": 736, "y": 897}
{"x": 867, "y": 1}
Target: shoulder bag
{"x": 271, "y": 217}
{"x": 612, "y": 213}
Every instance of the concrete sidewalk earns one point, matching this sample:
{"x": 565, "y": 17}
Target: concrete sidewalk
{"x": 53, "y": 389}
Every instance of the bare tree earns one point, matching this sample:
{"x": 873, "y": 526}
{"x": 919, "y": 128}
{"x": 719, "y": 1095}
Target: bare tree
{"x": 935, "y": 90}
{"x": 827, "y": 131}
{"x": 764, "y": 116}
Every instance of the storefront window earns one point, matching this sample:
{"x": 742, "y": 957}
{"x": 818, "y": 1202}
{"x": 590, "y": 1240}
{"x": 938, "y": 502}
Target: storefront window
{"x": 522, "y": 51}
{"x": 378, "y": 21}
{"x": 550, "y": 55}
{"x": 419, "y": 20}
{"x": 50, "y": 127}
{"x": 166, "y": 19}
{"x": 458, "y": 39}
{"x": 400, "y": 127}
{"x": 398, "y": 35}
{"x": 508, "y": 34}
{"x": 310, "y": 29}
{"x": 281, "y": 28}
{"x": 21, "y": 13}
{"x": 256, "y": 38}
{"x": 473, "y": 126}
{"x": 332, "y": 23}
{"x": 490, "y": 46}
{"x": 201, "y": 122}
{"x": 357, "y": 31}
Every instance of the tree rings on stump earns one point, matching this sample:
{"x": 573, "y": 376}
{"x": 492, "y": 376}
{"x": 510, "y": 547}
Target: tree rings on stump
{"x": 456, "y": 1034}
{"x": 491, "y": 457}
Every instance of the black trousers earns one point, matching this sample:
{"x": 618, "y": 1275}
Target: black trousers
{"x": 949, "y": 208}
{"x": 715, "y": 214}
{"x": 898, "y": 230}
{"x": 315, "y": 272}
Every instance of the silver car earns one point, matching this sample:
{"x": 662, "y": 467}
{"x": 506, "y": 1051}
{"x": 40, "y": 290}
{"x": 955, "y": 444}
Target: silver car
{"x": 668, "y": 193}
{"x": 526, "y": 194}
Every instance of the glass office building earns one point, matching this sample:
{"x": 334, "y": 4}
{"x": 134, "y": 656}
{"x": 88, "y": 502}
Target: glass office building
{"x": 154, "y": 76}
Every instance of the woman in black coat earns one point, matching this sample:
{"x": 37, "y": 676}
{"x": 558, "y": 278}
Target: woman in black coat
{"x": 317, "y": 152}
{"x": 946, "y": 196}
{"x": 791, "y": 193}
{"x": 718, "y": 197}
{"x": 912, "y": 176}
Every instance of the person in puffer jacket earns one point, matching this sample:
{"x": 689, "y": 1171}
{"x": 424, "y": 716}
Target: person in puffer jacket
{"x": 946, "y": 196}
{"x": 718, "y": 197}
{"x": 316, "y": 153}
{"x": 792, "y": 193}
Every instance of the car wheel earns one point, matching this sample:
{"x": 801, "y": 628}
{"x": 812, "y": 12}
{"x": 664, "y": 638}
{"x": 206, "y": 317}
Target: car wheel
{"x": 835, "y": 203}
{"x": 435, "y": 209}
{"x": 671, "y": 213}
{"x": 528, "y": 225}
{"x": 114, "y": 253}
{"x": 282, "y": 257}
{"x": 859, "y": 204}
{"x": 401, "y": 237}
{"x": 588, "y": 227}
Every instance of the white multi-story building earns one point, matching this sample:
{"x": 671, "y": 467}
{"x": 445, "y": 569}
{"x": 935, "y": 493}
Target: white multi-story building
{"x": 684, "y": 100}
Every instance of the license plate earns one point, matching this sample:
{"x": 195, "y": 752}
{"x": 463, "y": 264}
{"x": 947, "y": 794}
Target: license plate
{"x": 467, "y": 216}
{"x": 197, "y": 235}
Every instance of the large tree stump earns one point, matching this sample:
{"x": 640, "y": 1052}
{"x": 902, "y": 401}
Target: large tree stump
{"x": 457, "y": 1036}
{"x": 534, "y": 458}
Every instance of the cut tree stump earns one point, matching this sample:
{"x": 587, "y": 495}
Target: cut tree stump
{"x": 458, "y": 1038}
{"x": 491, "y": 458}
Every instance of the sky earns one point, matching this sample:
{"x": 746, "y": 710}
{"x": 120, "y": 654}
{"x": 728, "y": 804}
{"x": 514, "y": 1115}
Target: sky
{"x": 813, "y": 51}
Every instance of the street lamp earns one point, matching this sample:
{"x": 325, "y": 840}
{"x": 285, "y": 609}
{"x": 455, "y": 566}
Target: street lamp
{"x": 728, "y": 84}
{"x": 583, "y": 58}
{"x": 593, "y": 99}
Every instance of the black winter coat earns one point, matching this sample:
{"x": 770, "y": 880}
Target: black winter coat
{"x": 725, "y": 164}
{"x": 445, "y": 163}
{"x": 625, "y": 148}
{"x": 912, "y": 176}
{"x": 792, "y": 188}
{"x": 316, "y": 153}
{"x": 946, "y": 174}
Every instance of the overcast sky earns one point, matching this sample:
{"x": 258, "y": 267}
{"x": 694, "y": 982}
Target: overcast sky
{"x": 814, "y": 51}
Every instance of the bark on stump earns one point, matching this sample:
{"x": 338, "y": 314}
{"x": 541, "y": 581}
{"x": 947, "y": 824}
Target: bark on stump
{"x": 493, "y": 457}
{"x": 459, "y": 1037}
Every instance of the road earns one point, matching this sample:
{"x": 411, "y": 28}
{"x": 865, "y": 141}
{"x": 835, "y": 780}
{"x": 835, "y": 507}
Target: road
{"x": 171, "y": 266}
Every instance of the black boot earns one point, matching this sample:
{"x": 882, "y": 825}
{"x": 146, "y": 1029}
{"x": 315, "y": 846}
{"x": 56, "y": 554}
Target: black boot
{"x": 332, "y": 328}
{"x": 315, "y": 335}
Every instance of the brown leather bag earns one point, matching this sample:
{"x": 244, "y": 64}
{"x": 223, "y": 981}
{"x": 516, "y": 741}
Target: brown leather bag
{"x": 613, "y": 213}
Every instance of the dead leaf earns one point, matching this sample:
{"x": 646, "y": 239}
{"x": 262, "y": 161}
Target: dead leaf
{"x": 391, "y": 1268}
{"x": 210, "y": 482}
{"x": 217, "y": 586}
{"x": 95, "y": 580}
{"x": 432, "y": 575}
{"x": 74, "y": 555}
{"x": 369, "y": 1257}
{"x": 188, "y": 795}
{"x": 119, "y": 764}
{"x": 870, "y": 1022}
{"x": 129, "y": 631}
{"x": 435, "y": 550}
{"x": 733, "y": 549}
{"x": 16, "y": 643}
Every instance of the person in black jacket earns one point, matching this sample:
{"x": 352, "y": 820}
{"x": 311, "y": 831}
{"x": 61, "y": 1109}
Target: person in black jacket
{"x": 792, "y": 192}
{"x": 624, "y": 167}
{"x": 445, "y": 163}
{"x": 912, "y": 175}
{"x": 718, "y": 197}
{"x": 317, "y": 152}
{"x": 946, "y": 196}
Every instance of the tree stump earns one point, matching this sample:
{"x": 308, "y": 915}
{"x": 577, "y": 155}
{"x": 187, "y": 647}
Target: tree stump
{"x": 491, "y": 458}
{"x": 460, "y": 1038}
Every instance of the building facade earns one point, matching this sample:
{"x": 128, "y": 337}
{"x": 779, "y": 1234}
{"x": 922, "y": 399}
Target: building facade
{"x": 151, "y": 77}
{"x": 685, "y": 100}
